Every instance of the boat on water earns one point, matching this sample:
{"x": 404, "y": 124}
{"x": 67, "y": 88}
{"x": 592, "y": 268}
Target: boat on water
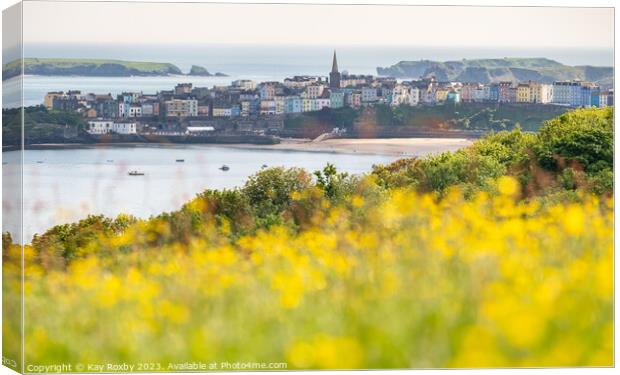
{"x": 264, "y": 166}
{"x": 180, "y": 160}
{"x": 224, "y": 167}
{"x": 136, "y": 173}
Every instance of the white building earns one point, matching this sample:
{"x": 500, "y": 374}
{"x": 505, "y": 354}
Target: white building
{"x": 322, "y": 103}
{"x": 414, "y": 96}
{"x": 244, "y": 84}
{"x": 100, "y": 126}
{"x": 199, "y": 129}
{"x": 369, "y": 94}
{"x": 124, "y": 128}
{"x": 401, "y": 94}
{"x": 135, "y": 111}
{"x": 299, "y": 82}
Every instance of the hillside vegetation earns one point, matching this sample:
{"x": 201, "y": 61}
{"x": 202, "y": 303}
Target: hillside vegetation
{"x": 42, "y": 125}
{"x": 496, "y": 70}
{"x": 407, "y": 121}
{"x": 498, "y": 255}
{"x": 88, "y": 67}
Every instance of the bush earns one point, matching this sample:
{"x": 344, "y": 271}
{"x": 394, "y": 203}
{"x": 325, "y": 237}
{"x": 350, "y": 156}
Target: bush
{"x": 583, "y": 136}
{"x": 269, "y": 191}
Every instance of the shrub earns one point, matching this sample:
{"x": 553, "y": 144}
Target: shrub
{"x": 584, "y": 136}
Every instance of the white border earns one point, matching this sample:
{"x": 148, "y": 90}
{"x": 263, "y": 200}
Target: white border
{"x": 536, "y": 3}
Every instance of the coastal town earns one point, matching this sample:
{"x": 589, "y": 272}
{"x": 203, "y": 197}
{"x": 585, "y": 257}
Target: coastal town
{"x": 250, "y": 106}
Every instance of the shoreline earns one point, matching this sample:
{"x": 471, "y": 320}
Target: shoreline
{"x": 406, "y": 147}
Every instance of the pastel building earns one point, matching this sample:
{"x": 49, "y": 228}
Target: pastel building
{"x": 369, "y": 95}
{"x": 292, "y": 104}
{"x": 567, "y": 93}
{"x": 48, "y": 100}
{"x": 493, "y": 93}
{"x": 523, "y": 93}
{"x": 468, "y": 91}
{"x": 314, "y": 91}
{"x": 222, "y": 111}
{"x": 267, "y": 107}
{"x": 181, "y": 107}
{"x": 244, "y": 84}
{"x": 336, "y": 99}
{"x": 280, "y": 104}
{"x": 414, "y": 98}
{"x": 267, "y": 90}
{"x": 453, "y": 97}
{"x": 481, "y": 94}
{"x": 321, "y": 103}
{"x": 507, "y": 93}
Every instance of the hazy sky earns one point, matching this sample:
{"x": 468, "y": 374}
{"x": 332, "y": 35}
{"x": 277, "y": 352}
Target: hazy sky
{"x": 142, "y": 23}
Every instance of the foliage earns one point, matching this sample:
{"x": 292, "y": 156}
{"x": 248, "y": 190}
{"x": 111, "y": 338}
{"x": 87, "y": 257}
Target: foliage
{"x": 39, "y": 124}
{"x": 466, "y": 116}
{"x": 581, "y": 140}
{"x": 336, "y": 186}
{"x": 584, "y": 136}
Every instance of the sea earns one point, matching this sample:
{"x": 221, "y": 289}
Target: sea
{"x": 65, "y": 185}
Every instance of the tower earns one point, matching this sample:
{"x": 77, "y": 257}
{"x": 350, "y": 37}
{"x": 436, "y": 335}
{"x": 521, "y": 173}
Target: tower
{"x": 334, "y": 75}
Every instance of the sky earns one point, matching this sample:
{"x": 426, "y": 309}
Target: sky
{"x": 288, "y": 24}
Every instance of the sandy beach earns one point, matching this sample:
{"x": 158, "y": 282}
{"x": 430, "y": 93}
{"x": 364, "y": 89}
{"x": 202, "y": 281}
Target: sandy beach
{"x": 379, "y": 146}
{"x": 406, "y": 147}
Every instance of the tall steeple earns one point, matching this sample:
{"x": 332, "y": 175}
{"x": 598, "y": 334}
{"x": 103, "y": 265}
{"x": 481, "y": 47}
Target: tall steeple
{"x": 335, "y": 64}
{"x": 334, "y": 75}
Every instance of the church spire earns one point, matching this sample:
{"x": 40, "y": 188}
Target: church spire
{"x": 334, "y": 75}
{"x": 335, "y": 64}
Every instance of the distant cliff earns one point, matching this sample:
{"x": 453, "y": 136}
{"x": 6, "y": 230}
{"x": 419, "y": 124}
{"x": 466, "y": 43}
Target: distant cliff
{"x": 200, "y": 71}
{"x": 88, "y": 67}
{"x": 95, "y": 67}
{"x": 495, "y": 70}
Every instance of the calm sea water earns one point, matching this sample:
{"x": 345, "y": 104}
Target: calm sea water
{"x": 65, "y": 185}
{"x": 260, "y": 63}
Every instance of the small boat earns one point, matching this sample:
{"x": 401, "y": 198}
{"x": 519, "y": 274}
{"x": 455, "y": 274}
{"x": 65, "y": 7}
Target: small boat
{"x": 180, "y": 160}
{"x": 110, "y": 161}
{"x": 136, "y": 173}
{"x": 224, "y": 167}
{"x": 264, "y": 166}
{"x": 39, "y": 162}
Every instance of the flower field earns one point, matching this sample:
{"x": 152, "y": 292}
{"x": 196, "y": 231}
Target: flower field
{"x": 413, "y": 282}
{"x": 498, "y": 255}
